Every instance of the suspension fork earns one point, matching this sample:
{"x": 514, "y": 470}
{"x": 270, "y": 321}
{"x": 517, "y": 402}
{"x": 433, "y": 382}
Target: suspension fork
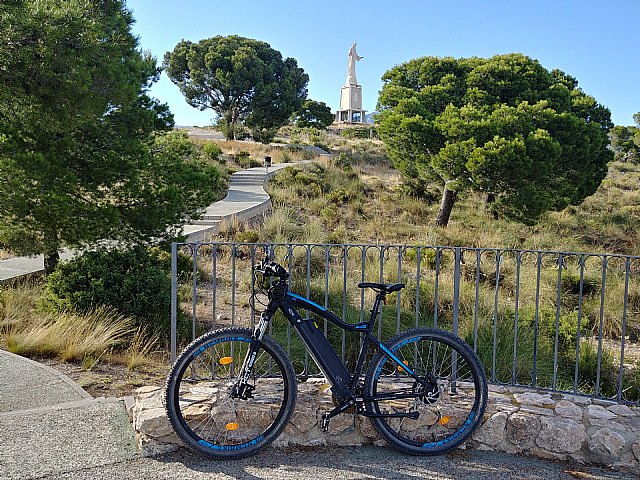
{"x": 242, "y": 389}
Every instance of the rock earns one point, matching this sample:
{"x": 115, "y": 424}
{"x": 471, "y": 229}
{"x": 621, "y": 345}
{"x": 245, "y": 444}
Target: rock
{"x": 599, "y": 416}
{"x": 499, "y": 398}
{"x": 547, "y": 412}
{"x": 533, "y": 425}
{"x": 144, "y": 392}
{"x": 366, "y": 429}
{"x": 622, "y": 410}
{"x": 626, "y": 461}
{"x": 151, "y": 400}
{"x": 635, "y": 448}
{"x": 560, "y": 434}
{"x": 522, "y": 428}
{"x": 535, "y": 399}
{"x": 607, "y": 443}
{"x": 568, "y": 409}
{"x": 507, "y": 408}
{"x": 499, "y": 389}
{"x": 577, "y": 399}
{"x": 484, "y": 448}
{"x": 493, "y": 431}
{"x": 153, "y": 422}
{"x": 541, "y": 453}
{"x": 304, "y": 417}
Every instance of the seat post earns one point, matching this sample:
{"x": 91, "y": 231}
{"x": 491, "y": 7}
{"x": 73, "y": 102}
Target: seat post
{"x": 380, "y": 297}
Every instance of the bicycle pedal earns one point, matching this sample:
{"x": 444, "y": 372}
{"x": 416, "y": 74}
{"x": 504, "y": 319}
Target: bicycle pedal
{"x": 325, "y": 421}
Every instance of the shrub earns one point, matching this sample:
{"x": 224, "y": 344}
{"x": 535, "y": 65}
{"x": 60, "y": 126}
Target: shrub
{"x": 359, "y": 132}
{"x": 526, "y": 343}
{"x": 248, "y": 236}
{"x": 134, "y": 282}
{"x": 588, "y": 370}
{"x": 212, "y": 150}
{"x": 244, "y": 159}
{"x": 343, "y": 161}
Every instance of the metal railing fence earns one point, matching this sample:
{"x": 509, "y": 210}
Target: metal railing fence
{"x": 556, "y": 321}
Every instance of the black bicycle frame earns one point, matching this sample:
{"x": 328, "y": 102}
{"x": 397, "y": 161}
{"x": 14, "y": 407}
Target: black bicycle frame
{"x": 342, "y": 382}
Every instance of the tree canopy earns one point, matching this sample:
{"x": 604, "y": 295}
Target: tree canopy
{"x": 244, "y": 81}
{"x": 625, "y": 141}
{"x": 79, "y": 161}
{"x": 313, "y": 114}
{"x": 527, "y": 137}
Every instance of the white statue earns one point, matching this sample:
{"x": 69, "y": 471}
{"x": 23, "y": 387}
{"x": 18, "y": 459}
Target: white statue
{"x": 351, "y": 68}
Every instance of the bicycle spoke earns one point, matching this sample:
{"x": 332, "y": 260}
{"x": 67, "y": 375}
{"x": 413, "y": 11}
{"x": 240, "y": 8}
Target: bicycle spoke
{"x": 206, "y": 409}
{"x": 446, "y": 396}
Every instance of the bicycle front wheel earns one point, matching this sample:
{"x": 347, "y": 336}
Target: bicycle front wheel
{"x": 449, "y": 400}
{"x": 204, "y": 410}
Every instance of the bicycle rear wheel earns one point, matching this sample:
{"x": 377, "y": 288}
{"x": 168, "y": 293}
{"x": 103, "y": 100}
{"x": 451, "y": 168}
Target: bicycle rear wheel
{"x": 450, "y": 403}
{"x": 201, "y": 405}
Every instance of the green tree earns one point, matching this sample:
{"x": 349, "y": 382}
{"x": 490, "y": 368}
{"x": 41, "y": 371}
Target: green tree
{"x": 313, "y": 114}
{"x": 244, "y": 81}
{"x": 78, "y": 158}
{"x": 625, "y": 141}
{"x": 528, "y": 138}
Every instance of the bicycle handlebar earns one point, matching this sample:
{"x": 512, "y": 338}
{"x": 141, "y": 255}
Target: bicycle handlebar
{"x": 269, "y": 268}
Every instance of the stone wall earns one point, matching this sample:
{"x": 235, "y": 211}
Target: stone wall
{"x": 557, "y": 426}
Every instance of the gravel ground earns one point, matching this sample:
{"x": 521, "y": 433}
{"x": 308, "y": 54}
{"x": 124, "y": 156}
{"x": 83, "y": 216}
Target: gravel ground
{"x": 347, "y": 463}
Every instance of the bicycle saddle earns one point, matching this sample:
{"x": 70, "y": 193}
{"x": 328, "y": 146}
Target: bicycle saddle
{"x": 382, "y": 287}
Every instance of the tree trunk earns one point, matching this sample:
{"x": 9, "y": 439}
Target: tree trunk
{"x": 491, "y": 198}
{"x": 50, "y": 261}
{"x": 448, "y": 199}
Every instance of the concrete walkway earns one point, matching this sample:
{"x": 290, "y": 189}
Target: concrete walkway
{"x": 246, "y": 199}
{"x": 49, "y": 425}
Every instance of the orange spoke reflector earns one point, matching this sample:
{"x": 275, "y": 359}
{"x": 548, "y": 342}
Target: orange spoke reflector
{"x": 444, "y": 420}
{"x": 225, "y": 360}
{"x": 232, "y": 425}
{"x": 406, "y": 362}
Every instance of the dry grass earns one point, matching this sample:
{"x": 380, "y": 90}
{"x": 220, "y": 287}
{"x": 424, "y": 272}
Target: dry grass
{"x": 278, "y": 153}
{"x": 18, "y": 304}
{"x": 69, "y": 336}
{"x": 142, "y": 349}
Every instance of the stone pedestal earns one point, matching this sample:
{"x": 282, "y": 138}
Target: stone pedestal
{"x": 350, "y": 105}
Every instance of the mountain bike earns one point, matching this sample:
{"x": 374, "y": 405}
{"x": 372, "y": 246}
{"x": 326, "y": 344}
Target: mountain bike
{"x": 232, "y": 391}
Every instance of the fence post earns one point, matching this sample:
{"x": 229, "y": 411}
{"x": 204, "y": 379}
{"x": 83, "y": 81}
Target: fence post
{"x": 456, "y": 289}
{"x": 456, "y": 301}
{"x": 174, "y": 299}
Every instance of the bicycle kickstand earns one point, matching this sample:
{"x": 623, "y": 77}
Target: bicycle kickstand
{"x": 327, "y": 416}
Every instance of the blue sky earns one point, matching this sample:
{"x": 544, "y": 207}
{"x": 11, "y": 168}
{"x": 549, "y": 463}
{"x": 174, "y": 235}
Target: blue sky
{"x": 596, "y": 41}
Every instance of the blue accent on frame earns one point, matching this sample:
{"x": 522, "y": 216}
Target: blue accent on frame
{"x": 298, "y": 297}
{"x": 396, "y": 359}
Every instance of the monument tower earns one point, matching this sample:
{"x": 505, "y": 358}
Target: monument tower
{"x": 351, "y": 93}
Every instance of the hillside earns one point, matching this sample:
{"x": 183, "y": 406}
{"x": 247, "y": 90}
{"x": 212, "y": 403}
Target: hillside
{"x": 338, "y": 202}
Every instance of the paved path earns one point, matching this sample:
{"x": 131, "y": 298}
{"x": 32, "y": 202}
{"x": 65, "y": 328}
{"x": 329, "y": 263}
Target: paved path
{"x": 349, "y": 463}
{"x": 25, "y": 384}
{"x": 49, "y": 425}
{"x": 246, "y": 198}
